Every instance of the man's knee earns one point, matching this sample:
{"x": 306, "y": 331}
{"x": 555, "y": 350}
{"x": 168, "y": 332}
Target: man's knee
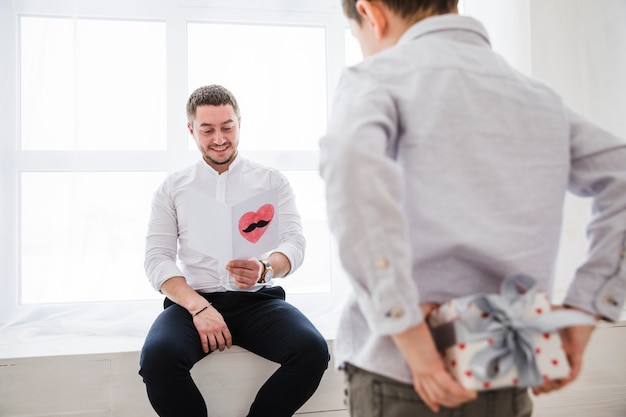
{"x": 315, "y": 348}
{"x": 159, "y": 359}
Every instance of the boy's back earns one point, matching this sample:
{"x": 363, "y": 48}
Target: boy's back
{"x": 446, "y": 172}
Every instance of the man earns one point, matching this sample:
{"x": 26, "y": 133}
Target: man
{"x": 209, "y": 308}
{"x": 446, "y": 172}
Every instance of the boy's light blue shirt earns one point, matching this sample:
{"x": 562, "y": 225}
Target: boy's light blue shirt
{"x": 446, "y": 171}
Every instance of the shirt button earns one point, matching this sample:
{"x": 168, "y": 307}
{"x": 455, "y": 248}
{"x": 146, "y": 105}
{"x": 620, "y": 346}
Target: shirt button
{"x": 395, "y": 313}
{"x": 611, "y": 301}
{"x": 382, "y": 263}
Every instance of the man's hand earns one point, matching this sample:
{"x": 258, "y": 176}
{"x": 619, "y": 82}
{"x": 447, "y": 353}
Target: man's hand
{"x": 245, "y": 273}
{"x": 209, "y": 323}
{"x": 213, "y": 331}
{"x": 434, "y": 384}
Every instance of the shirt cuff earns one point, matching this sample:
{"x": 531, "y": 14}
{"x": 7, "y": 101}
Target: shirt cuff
{"x": 608, "y": 295}
{"x": 293, "y": 254}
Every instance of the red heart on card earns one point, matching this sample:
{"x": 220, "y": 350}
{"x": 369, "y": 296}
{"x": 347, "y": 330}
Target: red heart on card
{"x": 253, "y": 224}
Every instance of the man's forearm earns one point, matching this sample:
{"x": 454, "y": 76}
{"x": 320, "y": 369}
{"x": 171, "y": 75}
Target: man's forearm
{"x": 280, "y": 264}
{"x": 177, "y": 290}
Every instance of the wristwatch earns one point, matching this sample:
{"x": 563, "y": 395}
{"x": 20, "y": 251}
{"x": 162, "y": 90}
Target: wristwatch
{"x": 267, "y": 272}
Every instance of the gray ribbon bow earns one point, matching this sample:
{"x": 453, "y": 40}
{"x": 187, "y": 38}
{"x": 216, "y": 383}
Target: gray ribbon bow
{"x": 505, "y": 325}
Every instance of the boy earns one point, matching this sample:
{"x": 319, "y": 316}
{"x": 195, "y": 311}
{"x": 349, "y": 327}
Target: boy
{"x": 446, "y": 172}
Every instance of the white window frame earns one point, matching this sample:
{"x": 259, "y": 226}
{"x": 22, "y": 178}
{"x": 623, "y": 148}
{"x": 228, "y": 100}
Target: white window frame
{"x": 176, "y": 15}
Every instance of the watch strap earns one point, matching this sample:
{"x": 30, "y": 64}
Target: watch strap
{"x": 266, "y": 268}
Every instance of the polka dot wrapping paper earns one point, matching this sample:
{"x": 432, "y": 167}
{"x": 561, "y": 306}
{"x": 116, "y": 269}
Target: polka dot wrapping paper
{"x": 549, "y": 357}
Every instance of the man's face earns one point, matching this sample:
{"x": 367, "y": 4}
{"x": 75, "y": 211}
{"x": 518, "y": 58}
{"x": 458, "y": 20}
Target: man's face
{"x": 216, "y": 132}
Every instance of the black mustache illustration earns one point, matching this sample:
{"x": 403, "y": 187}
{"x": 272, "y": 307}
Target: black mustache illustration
{"x": 252, "y": 226}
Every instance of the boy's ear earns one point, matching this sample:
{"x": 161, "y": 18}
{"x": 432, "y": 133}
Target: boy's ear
{"x": 374, "y": 14}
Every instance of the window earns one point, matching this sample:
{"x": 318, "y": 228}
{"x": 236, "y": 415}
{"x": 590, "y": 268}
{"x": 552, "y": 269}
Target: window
{"x": 86, "y": 85}
{"x": 277, "y": 73}
{"x": 81, "y": 236}
{"x": 92, "y": 85}
{"x": 93, "y": 119}
{"x": 101, "y": 121}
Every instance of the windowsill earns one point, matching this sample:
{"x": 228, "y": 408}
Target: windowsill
{"x": 72, "y": 344}
{"x": 74, "y": 334}
{"x": 80, "y": 346}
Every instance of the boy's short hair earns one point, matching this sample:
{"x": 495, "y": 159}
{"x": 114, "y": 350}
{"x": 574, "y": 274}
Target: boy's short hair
{"x": 211, "y": 95}
{"x": 404, "y": 8}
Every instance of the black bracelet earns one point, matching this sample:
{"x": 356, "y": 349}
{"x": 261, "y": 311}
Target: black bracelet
{"x": 198, "y": 312}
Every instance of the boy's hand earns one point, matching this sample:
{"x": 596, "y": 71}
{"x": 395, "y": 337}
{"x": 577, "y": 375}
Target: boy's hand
{"x": 433, "y": 383}
{"x": 574, "y": 340}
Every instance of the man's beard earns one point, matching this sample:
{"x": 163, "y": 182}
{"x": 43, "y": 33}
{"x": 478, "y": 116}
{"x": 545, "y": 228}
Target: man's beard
{"x": 210, "y": 160}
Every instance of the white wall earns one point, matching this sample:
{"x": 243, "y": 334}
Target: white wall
{"x": 508, "y": 25}
{"x": 8, "y": 180}
{"x": 579, "y": 48}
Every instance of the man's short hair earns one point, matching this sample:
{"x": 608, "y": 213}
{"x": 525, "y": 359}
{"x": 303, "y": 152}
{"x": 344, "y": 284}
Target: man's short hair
{"x": 210, "y": 95}
{"x": 404, "y": 8}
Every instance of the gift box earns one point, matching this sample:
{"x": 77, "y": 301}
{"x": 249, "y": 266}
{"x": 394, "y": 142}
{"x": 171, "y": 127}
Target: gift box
{"x": 491, "y": 341}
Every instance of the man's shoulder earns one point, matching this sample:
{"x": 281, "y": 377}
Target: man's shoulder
{"x": 183, "y": 172}
{"x": 254, "y": 172}
{"x": 251, "y": 167}
{"x": 180, "y": 176}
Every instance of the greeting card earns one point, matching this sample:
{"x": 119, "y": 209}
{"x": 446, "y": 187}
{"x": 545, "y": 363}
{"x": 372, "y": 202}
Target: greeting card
{"x": 236, "y": 231}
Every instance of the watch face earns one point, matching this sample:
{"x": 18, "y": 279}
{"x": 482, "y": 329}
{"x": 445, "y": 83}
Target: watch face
{"x": 269, "y": 274}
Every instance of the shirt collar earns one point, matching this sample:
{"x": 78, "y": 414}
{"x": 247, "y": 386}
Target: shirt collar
{"x": 442, "y": 23}
{"x": 233, "y": 165}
